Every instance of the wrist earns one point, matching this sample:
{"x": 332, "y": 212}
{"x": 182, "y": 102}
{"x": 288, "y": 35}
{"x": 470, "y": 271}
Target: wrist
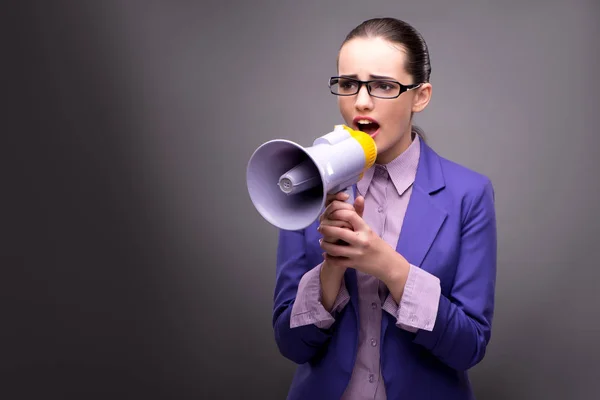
{"x": 331, "y": 278}
{"x": 395, "y": 273}
{"x": 329, "y": 271}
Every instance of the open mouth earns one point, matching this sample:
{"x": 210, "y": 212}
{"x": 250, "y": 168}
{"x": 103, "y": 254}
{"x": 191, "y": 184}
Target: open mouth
{"x": 368, "y": 126}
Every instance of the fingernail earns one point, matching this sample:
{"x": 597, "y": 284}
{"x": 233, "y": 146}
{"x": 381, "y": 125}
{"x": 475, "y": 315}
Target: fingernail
{"x": 319, "y": 228}
{"x": 345, "y": 195}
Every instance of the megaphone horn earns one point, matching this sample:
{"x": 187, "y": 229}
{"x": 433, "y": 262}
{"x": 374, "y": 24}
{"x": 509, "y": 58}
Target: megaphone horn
{"x": 288, "y": 184}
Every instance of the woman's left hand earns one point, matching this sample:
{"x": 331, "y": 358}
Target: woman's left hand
{"x": 364, "y": 251}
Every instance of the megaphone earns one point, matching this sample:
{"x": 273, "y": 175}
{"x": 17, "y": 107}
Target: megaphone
{"x": 288, "y": 184}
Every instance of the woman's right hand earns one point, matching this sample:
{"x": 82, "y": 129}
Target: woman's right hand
{"x": 335, "y": 202}
{"x": 331, "y": 275}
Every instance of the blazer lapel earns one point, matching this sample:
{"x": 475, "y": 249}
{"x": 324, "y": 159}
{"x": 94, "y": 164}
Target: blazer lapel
{"x": 421, "y": 224}
{"x": 423, "y": 218}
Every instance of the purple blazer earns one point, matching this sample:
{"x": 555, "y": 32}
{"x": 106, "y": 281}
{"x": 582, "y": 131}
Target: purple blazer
{"x": 450, "y": 231}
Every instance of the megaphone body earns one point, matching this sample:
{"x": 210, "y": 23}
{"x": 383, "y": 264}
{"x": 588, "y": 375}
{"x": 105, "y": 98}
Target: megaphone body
{"x": 288, "y": 184}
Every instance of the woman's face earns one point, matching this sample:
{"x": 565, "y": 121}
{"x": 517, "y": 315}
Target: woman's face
{"x": 376, "y": 58}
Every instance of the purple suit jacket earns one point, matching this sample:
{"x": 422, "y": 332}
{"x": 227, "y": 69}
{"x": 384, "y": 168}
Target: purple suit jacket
{"x": 450, "y": 231}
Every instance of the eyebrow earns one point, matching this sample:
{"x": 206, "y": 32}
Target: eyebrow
{"x": 354, "y": 76}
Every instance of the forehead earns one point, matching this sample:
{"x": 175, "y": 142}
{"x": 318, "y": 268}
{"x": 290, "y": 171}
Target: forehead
{"x": 372, "y": 56}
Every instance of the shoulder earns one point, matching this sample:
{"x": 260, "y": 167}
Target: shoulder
{"x": 464, "y": 179}
{"x": 463, "y": 186}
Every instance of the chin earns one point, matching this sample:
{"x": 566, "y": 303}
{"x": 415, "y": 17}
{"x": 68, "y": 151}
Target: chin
{"x": 382, "y": 148}
{"x": 380, "y": 142}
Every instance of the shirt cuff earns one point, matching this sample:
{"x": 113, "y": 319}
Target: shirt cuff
{"x": 419, "y": 303}
{"x": 307, "y": 308}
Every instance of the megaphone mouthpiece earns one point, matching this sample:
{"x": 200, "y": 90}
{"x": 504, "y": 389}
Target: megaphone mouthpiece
{"x": 300, "y": 178}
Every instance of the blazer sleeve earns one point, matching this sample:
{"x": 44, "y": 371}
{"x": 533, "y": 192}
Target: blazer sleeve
{"x": 299, "y": 344}
{"x": 462, "y": 328}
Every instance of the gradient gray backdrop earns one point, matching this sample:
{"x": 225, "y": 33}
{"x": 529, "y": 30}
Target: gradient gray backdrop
{"x": 137, "y": 266}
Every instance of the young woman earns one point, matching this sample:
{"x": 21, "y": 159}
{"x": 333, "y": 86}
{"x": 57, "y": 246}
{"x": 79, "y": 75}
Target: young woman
{"x": 405, "y": 308}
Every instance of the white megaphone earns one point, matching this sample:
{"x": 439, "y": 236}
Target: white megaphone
{"x": 288, "y": 184}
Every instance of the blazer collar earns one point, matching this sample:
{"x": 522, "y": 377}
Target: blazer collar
{"x": 429, "y": 171}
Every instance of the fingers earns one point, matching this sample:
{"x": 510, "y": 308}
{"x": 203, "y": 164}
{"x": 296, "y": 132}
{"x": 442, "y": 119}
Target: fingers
{"x": 334, "y": 240}
{"x": 337, "y": 250}
{"x": 333, "y": 207}
{"x": 359, "y": 205}
{"x": 341, "y": 196}
{"x": 336, "y": 222}
{"x": 333, "y": 234}
{"x": 350, "y": 216}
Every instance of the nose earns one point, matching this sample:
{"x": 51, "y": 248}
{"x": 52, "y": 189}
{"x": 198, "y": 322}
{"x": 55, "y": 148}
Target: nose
{"x": 363, "y": 101}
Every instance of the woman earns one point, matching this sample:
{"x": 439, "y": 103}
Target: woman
{"x": 405, "y": 308}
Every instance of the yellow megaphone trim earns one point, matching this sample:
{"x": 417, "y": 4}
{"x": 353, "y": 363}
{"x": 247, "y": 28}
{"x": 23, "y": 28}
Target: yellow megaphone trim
{"x": 367, "y": 143}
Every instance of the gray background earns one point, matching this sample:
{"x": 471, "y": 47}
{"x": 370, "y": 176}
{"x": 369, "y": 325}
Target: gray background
{"x": 136, "y": 266}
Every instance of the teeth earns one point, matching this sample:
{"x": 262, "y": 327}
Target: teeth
{"x": 363, "y": 121}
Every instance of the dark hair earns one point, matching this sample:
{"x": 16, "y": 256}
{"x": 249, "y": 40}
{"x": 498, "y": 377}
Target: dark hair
{"x": 418, "y": 64}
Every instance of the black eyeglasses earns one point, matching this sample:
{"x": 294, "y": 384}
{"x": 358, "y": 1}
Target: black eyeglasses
{"x": 381, "y": 88}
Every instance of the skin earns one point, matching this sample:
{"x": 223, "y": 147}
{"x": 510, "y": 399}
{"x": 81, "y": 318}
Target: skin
{"x": 366, "y": 251}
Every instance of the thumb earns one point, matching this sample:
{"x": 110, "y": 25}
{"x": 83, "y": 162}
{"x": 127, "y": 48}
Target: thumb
{"x": 359, "y": 205}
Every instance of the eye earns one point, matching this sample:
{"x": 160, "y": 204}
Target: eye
{"x": 384, "y": 86}
{"x": 347, "y": 84}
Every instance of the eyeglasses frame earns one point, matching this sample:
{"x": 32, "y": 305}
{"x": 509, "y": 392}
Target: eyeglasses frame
{"x": 403, "y": 88}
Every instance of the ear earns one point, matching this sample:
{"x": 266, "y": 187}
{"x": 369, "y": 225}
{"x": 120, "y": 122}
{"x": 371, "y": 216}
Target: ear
{"x": 421, "y": 97}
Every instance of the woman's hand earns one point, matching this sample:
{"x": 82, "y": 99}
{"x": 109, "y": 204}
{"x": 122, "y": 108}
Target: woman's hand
{"x": 335, "y": 202}
{"x": 332, "y": 274}
{"x": 363, "y": 249}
